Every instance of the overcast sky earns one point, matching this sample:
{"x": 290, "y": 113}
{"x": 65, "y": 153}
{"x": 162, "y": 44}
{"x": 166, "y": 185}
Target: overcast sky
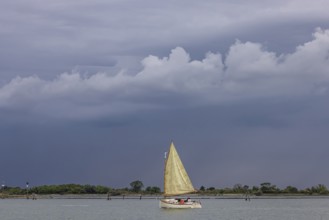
{"x": 93, "y": 92}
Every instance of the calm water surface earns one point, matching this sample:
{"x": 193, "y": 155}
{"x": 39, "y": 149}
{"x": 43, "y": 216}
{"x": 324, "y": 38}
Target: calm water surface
{"x": 147, "y": 209}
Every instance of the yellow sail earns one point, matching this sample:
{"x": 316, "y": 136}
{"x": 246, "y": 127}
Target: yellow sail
{"x": 176, "y": 180}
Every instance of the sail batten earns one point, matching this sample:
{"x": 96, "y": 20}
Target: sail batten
{"x": 176, "y": 179}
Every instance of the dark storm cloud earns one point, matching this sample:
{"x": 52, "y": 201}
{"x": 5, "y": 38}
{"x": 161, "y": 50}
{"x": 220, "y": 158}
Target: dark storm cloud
{"x": 90, "y": 86}
{"x": 38, "y": 36}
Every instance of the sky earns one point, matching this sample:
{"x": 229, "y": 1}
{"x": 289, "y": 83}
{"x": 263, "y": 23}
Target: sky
{"x": 93, "y": 92}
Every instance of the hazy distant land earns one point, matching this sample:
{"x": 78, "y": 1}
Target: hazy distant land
{"x": 137, "y": 191}
{"x": 142, "y": 197}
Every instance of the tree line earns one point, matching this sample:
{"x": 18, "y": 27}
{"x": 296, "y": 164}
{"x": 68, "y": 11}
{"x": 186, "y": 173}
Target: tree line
{"x": 265, "y": 188}
{"x": 137, "y": 186}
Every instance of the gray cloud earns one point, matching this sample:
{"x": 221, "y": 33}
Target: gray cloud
{"x": 247, "y": 71}
{"x": 65, "y": 31}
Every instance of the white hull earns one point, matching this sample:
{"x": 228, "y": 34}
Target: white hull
{"x": 175, "y": 204}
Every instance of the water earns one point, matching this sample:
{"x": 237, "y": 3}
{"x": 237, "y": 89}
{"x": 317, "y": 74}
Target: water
{"x": 147, "y": 209}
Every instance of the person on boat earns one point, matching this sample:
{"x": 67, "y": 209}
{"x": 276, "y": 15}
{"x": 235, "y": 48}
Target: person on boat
{"x": 188, "y": 199}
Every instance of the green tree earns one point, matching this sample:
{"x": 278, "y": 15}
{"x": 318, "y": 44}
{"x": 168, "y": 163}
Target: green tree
{"x": 153, "y": 189}
{"x": 255, "y": 189}
{"x": 15, "y": 191}
{"x": 237, "y": 188}
{"x": 102, "y": 189}
{"x": 89, "y": 189}
{"x": 136, "y": 186}
{"x": 211, "y": 188}
{"x": 290, "y": 189}
{"x": 268, "y": 188}
{"x": 320, "y": 189}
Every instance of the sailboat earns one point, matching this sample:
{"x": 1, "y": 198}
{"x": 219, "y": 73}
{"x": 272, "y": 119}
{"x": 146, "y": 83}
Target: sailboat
{"x": 176, "y": 182}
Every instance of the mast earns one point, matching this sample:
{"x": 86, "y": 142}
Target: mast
{"x": 164, "y": 170}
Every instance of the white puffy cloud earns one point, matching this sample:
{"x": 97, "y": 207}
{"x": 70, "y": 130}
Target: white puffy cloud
{"x": 248, "y": 70}
{"x": 178, "y": 73}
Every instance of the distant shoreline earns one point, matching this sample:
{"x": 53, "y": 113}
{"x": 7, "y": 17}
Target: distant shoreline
{"x": 141, "y": 197}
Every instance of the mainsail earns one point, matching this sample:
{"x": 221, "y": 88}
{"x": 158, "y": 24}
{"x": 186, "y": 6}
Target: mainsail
{"x": 176, "y": 180}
